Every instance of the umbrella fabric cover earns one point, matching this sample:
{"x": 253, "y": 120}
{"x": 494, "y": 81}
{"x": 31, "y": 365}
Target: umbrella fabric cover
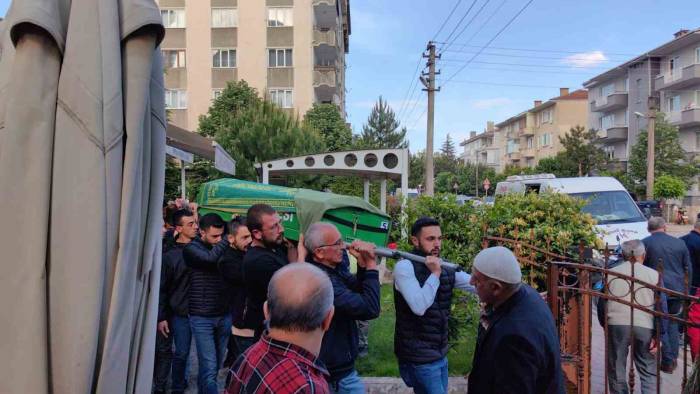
{"x": 83, "y": 149}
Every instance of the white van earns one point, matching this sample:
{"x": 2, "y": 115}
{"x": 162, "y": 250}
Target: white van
{"x": 619, "y": 219}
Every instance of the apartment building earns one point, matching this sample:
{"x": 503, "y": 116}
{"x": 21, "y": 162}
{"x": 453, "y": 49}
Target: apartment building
{"x": 534, "y": 134}
{"x": 671, "y": 73}
{"x": 484, "y": 148}
{"x": 291, "y": 51}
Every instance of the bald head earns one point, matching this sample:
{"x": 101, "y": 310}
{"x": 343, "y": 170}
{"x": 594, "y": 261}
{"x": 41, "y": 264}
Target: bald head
{"x": 299, "y": 298}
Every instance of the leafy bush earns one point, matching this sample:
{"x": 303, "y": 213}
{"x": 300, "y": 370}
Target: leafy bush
{"x": 551, "y": 222}
{"x": 669, "y": 186}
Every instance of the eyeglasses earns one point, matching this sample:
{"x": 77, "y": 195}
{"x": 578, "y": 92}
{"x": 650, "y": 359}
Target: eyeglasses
{"x": 339, "y": 242}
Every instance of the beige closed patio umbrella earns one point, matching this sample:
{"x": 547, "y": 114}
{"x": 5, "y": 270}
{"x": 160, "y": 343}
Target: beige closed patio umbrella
{"x": 84, "y": 153}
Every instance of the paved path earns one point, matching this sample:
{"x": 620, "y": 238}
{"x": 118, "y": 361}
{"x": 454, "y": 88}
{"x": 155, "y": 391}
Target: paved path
{"x": 670, "y": 383}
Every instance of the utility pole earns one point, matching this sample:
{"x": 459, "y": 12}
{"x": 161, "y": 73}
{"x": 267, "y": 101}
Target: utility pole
{"x": 653, "y": 104}
{"x": 429, "y": 85}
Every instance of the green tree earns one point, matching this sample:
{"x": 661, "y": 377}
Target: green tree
{"x": 416, "y": 170}
{"x": 581, "y": 151}
{"x": 448, "y": 147}
{"x": 254, "y": 130}
{"x": 668, "y": 186}
{"x": 237, "y": 97}
{"x": 326, "y": 119}
{"x": 558, "y": 165}
{"x": 382, "y": 129}
{"x": 669, "y": 156}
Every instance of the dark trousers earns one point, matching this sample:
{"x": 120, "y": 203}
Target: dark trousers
{"x": 619, "y": 341}
{"x": 165, "y": 358}
{"x": 671, "y": 342}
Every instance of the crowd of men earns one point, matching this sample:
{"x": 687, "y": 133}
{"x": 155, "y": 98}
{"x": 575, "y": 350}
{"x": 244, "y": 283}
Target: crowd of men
{"x": 283, "y": 317}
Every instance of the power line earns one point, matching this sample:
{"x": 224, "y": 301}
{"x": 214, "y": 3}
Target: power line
{"x": 491, "y": 40}
{"x": 466, "y": 26}
{"x": 460, "y": 21}
{"x": 504, "y": 84}
{"x": 573, "y": 57}
{"x": 545, "y": 72}
{"x": 522, "y": 64}
{"x": 447, "y": 19}
{"x": 410, "y": 86}
{"x": 486, "y": 22}
{"x": 537, "y": 50}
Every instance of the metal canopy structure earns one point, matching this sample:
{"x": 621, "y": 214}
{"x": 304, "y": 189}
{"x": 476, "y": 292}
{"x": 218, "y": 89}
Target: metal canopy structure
{"x": 183, "y": 145}
{"x": 370, "y": 164}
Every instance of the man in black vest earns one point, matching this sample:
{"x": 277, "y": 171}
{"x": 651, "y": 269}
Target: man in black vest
{"x": 423, "y": 296}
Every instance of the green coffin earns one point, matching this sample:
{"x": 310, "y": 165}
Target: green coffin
{"x": 298, "y": 208}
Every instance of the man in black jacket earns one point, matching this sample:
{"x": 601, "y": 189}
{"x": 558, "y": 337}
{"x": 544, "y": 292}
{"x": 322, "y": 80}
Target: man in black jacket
{"x": 210, "y": 319}
{"x": 269, "y": 252}
{"x": 517, "y": 346}
{"x": 231, "y": 267}
{"x": 173, "y": 324}
{"x": 355, "y": 298}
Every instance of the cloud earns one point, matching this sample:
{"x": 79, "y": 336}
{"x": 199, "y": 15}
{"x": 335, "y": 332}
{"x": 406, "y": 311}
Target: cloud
{"x": 491, "y": 103}
{"x": 586, "y": 59}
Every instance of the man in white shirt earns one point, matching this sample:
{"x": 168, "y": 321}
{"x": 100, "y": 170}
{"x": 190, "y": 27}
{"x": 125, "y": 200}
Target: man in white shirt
{"x": 423, "y": 297}
{"x": 621, "y": 325}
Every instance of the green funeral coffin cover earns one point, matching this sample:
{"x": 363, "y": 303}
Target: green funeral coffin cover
{"x": 298, "y": 208}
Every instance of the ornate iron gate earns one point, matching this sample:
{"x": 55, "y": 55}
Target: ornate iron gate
{"x": 569, "y": 285}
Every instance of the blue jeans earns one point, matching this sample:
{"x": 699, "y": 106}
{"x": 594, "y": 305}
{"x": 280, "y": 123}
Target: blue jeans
{"x": 351, "y": 384}
{"x": 671, "y": 341}
{"x": 182, "y": 336}
{"x": 430, "y": 378}
{"x": 211, "y": 336}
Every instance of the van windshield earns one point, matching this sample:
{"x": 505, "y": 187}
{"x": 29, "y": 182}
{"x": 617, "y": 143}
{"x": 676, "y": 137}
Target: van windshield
{"x": 611, "y": 207}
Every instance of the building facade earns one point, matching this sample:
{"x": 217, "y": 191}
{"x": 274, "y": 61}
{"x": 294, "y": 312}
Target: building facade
{"x": 484, "y": 148}
{"x": 534, "y": 134}
{"x": 291, "y": 51}
{"x": 619, "y": 100}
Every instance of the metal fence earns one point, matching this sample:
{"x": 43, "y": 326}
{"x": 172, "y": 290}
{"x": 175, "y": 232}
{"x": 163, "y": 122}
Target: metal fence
{"x": 572, "y": 285}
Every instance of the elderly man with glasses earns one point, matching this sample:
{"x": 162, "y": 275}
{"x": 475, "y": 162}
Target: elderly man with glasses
{"x": 356, "y": 297}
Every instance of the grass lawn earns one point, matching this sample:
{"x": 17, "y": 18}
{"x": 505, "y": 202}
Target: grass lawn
{"x": 382, "y": 361}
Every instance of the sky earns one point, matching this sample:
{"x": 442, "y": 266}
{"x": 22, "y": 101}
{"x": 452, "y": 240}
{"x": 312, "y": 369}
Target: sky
{"x": 550, "y": 44}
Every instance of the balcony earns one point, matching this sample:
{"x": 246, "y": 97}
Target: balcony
{"x": 682, "y": 78}
{"x": 325, "y": 14}
{"x": 324, "y": 2}
{"x": 324, "y": 77}
{"x": 614, "y": 134}
{"x": 325, "y": 37}
{"x": 528, "y": 153}
{"x": 514, "y": 156}
{"x": 527, "y": 131}
{"x": 613, "y": 101}
{"x": 688, "y": 117}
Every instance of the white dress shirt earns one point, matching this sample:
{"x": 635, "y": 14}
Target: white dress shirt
{"x": 418, "y": 298}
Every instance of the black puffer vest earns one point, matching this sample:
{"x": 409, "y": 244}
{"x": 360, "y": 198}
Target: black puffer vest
{"x": 423, "y": 339}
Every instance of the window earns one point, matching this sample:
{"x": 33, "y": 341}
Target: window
{"x": 173, "y": 18}
{"x": 675, "y": 68}
{"x": 638, "y": 90}
{"x": 696, "y": 103}
{"x": 282, "y": 97}
{"x": 279, "y": 58}
{"x": 674, "y": 103}
{"x": 224, "y": 17}
{"x": 607, "y": 121}
{"x": 609, "y": 152}
{"x": 606, "y": 90}
{"x": 279, "y": 17}
{"x": 216, "y": 93}
{"x": 223, "y": 58}
{"x": 610, "y": 207}
{"x": 697, "y": 55}
{"x": 529, "y": 142}
{"x": 546, "y": 116}
{"x": 175, "y": 99}
{"x": 545, "y": 139}
{"x": 174, "y": 58}
{"x": 512, "y": 146}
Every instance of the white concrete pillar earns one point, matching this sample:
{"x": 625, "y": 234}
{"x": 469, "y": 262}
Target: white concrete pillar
{"x": 183, "y": 183}
{"x": 366, "y": 189}
{"x": 382, "y": 196}
{"x": 265, "y": 175}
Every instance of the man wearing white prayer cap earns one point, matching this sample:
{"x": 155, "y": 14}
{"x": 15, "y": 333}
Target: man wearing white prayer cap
{"x": 517, "y": 348}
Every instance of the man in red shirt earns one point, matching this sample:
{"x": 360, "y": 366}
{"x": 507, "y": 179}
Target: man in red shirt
{"x": 299, "y": 309}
